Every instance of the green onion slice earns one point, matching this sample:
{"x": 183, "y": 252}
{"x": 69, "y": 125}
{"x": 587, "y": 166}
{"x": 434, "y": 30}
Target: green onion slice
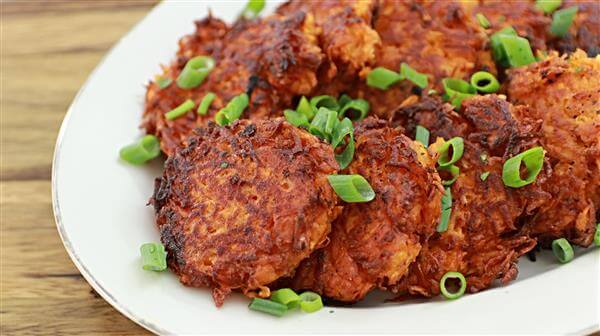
{"x": 454, "y": 171}
{"x": 562, "y": 20}
{"x": 310, "y": 302}
{"x": 563, "y": 251}
{"x": 351, "y": 188}
{"x": 232, "y": 111}
{"x": 447, "y": 199}
{"x": 446, "y": 211}
{"x": 146, "y": 149}
{"x": 517, "y": 49}
{"x": 497, "y": 49}
{"x": 195, "y": 71}
{"x": 457, "y": 145}
{"x": 344, "y": 99}
{"x": 457, "y": 90}
{"x": 324, "y": 101}
{"x": 413, "y": 75}
{"x": 305, "y": 108}
{"x": 533, "y": 159}
{"x": 548, "y": 6}
{"x": 344, "y": 129}
{"x": 163, "y": 82}
{"x": 422, "y": 135}
{"x": 483, "y": 21}
{"x": 324, "y": 119}
{"x": 463, "y": 285}
{"x": 597, "y": 235}
{"x": 382, "y": 78}
{"x": 268, "y": 306}
{"x": 356, "y": 109}
{"x": 295, "y": 118}
{"x": 180, "y": 110}
{"x": 205, "y": 103}
{"x": 484, "y": 81}
{"x": 253, "y": 9}
{"x": 154, "y": 257}
{"x": 287, "y": 297}
{"x": 484, "y": 176}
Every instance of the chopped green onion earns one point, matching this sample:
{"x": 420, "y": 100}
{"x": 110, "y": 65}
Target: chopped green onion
{"x": 511, "y": 171}
{"x": 548, "y": 6}
{"x": 324, "y": 101}
{"x": 422, "y": 135}
{"x": 484, "y": 81}
{"x": 205, "y": 103}
{"x": 446, "y": 210}
{"x": 180, "y": 110}
{"x": 563, "y": 251}
{"x": 344, "y": 128}
{"x": 310, "y": 302}
{"x": 154, "y": 257}
{"x": 331, "y": 124}
{"x": 163, "y": 82}
{"x": 287, "y": 297}
{"x": 195, "y": 71}
{"x": 356, "y": 109}
{"x": 413, "y": 75}
{"x": 561, "y": 21}
{"x": 320, "y": 122}
{"x": 484, "y": 176}
{"x": 146, "y": 149}
{"x": 457, "y": 90}
{"x": 268, "y": 306}
{"x": 253, "y": 9}
{"x": 382, "y": 78}
{"x": 597, "y": 235}
{"x": 295, "y": 118}
{"x": 498, "y": 51}
{"x": 344, "y": 99}
{"x": 454, "y": 171}
{"x": 483, "y": 21}
{"x": 305, "y": 108}
{"x": 457, "y": 144}
{"x": 463, "y": 285}
{"x": 232, "y": 111}
{"x": 351, "y": 188}
{"x": 517, "y": 49}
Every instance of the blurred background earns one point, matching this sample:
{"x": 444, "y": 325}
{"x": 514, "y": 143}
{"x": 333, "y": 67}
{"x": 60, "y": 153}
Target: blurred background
{"x": 48, "y": 49}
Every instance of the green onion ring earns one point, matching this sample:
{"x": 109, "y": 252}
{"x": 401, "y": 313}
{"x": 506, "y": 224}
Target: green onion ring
{"x": 548, "y": 6}
{"x": 343, "y": 100}
{"x": 498, "y": 52}
{"x": 233, "y": 110}
{"x": 180, "y": 110}
{"x": 446, "y": 211}
{"x": 144, "y": 150}
{"x": 422, "y": 135}
{"x": 562, "y": 20}
{"x": 563, "y": 251}
{"x": 195, "y": 71}
{"x": 490, "y": 83}
{"x": 205, "y": 103}
{"x": 324, "y": 101}
{"x": 517, "y": 49}
{"x": 296, "y": 118}
{"x": 305, "y": 108}
{"x": 310, "y": 302}
{"x": 351, "y": 188}
{"x": 457, "y": 144}
{"x": 154, "y": 257}
{"x": 356, "y": 109}
{"x": 533, "y": 159}
{"x": 456, "y": 90}
{"x": 382, "y": 78}
{"x": 343, "y": 129}
{"x": 413, "y": 75}
{"x": 461, "y": 290}
{"x": 452, "y": 169}
{"x": 320, "y": 122}
{"x": 269, "y": 307}
{"x": 287, "y": 297}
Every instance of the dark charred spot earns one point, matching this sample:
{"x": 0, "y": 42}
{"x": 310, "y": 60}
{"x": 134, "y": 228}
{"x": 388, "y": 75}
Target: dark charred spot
{"x": 173, "y": 244}
{"x": 235, "y": 179}
{"x": 252, "y": 82}
{"x": 162, "y": 190}
{"x": 249, "y": 131}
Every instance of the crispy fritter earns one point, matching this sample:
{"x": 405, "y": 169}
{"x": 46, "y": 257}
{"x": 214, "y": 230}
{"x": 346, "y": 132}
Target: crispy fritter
{"x": 483, "y": 240}
{"x": 372, "y": 244}
{"x": 242, "y": 206}
{"x": 433, "y": 37}
{"x": 271, "y": 59}
{"x": 565, "y": 95}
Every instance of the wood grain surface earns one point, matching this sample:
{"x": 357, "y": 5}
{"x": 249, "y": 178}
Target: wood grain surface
{"x": 48, "y": 49}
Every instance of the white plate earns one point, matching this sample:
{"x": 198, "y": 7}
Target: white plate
{"x": 99, "y": 204}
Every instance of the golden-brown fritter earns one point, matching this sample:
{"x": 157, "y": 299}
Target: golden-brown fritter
{"x": 243, "y": 205}
{"x": 271, "y": 59}
{"x": 564, "y": 93}
{"x": 483, "y": 240}
{"x": 433, "y": 37}
{"x": 372, "y": 244}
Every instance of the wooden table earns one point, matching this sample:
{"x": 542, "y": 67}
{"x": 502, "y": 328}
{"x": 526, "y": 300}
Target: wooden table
{"x": 48, "y": 50}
